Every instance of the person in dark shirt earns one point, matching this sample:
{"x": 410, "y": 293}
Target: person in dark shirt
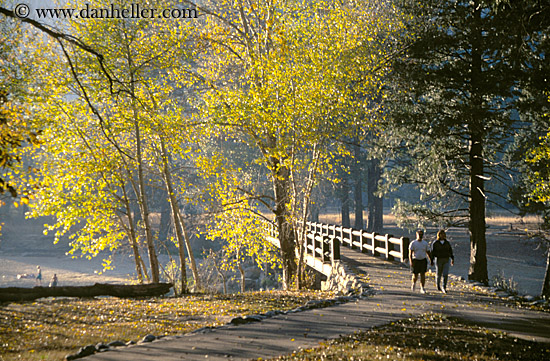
{"x": 442, "y": 255}
{"x": 53, "y": 282}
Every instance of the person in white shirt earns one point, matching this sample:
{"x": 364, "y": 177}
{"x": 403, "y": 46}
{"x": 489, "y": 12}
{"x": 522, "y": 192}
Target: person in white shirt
{"x": 419, "y": 254}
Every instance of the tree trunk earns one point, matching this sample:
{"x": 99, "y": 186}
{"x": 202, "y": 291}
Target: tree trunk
{"x": 345, "y": 203}
{"x": 546, "y": 285}
{"x": 478, "y": 251}
{"x": 99, "y": 289}
{"x": 175, "y": 212}
{"x": 359, "y": 222}
{"x": 281, "y": 181}
{"x": 180, "y": 240}
{"x": 214, "y": 258}
{"x": 131, "y": 231}
{"x": 224, "y": 280}
{"x": 375, "y": 204}
{"x": 194, "y": 270}
{"x": 164, "y": 225}
{"x": 241, "y": 271}
{"x": 179, "y": 222}
{"x": 144, "y": 208}
{"x": 358, "y": 184}
{"x": 477, "y": 226}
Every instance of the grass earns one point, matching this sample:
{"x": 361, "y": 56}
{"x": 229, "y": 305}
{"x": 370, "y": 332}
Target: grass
{"x": 50, "y": 329}
{"x": 431, "y": 337}
{"x": 499, "y": 219}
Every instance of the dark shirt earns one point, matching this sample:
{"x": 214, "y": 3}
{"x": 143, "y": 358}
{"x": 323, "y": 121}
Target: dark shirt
{"x": 442, "y": 250}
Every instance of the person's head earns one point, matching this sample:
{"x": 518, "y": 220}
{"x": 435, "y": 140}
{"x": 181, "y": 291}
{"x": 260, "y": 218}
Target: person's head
{"x": 419, "y": 234}
{"x": 441, "y": 235}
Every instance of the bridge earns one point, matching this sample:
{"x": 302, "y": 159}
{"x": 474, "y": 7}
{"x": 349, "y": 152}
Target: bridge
{"x": 322, "y": 251}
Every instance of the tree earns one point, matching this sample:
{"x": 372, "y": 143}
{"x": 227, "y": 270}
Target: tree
{"x": 111, "y": 111}
{"x": 237, "y": 221}
{"x": 457, "y": 80}
{"x": 15, "y": 130}
{"x": 539, "y": 177}
{"x": 531, "y": 152}
{"x": 287, "y": 78}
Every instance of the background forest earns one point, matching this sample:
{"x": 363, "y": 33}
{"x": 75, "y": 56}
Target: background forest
{"x": 190, "y": 134}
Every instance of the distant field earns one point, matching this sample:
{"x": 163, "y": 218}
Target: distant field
{"x": 493, "y": 218}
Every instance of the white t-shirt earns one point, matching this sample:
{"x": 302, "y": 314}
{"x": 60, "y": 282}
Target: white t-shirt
{"x": 419, "y": 249}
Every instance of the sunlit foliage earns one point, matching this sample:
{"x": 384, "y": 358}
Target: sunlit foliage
{"x": 103, "y": 120}
{"x": 288, "y": 78}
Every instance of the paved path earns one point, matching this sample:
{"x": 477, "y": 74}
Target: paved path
{"x": 393, "y": 301}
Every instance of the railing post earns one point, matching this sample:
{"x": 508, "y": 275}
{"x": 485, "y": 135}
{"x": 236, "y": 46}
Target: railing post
{"x": 311, "y": 241}
{"x": 389, "y": 249}
{"x": 350, "y": 237}
{"x": 326, "y": 249}
{"x": 337, "y": 232}
{"x": 318, "y": 245}
{"x": 388, "y": 236}
{"x": 335, "y": 248}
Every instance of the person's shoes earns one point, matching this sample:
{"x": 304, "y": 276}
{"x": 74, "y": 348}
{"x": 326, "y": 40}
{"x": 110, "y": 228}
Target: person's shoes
{"x": 422, "y": 290}
{"x": 443, "y": 290}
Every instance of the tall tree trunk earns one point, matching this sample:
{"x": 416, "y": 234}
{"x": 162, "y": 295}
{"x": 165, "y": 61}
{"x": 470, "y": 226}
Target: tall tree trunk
{"x": 141, "y": 193}
{"x": 186, "y": 238}
{"x": 224, "y": 279}
{"x": 179, "y": 234}
{"x": 345, "y": 202}
{"x": 281, "y": 181}
{"x": 477, "y": 226}
{"x": 131, "y": 231}
{"x": 241, "y": 271}
{"x": 215, "y": 261}
{"x": 300, "y": 223}
{"x": 357, "y": 175}
{"x": 546, "y": 284}
{"x": 179, "y": 225}
{"x": 144, "y": 208}
{"x": 164, "y": 225}
{"x": 375, "y": 204}
{"x": 478, "y": 251}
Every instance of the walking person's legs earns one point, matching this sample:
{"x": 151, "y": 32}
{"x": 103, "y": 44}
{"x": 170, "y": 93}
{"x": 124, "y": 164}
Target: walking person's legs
{"x": 423, "y": 282}
{"x": 442, "y": 270}
{"x": 445, "y": 271}
{"x": 419, "y": 267}
{"x": 438, "y": 275}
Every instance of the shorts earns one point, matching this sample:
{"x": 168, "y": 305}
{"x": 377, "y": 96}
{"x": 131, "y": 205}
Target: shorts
{"x": 419, "y": 266}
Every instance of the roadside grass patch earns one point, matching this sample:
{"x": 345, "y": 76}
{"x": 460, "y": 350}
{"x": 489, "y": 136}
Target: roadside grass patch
{"x": 49, "y": 329}
{"x": 432, "y": 337}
